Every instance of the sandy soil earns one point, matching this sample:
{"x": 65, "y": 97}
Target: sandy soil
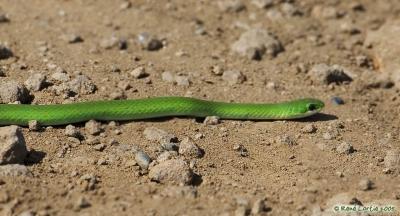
{"x": 290, "y": 170}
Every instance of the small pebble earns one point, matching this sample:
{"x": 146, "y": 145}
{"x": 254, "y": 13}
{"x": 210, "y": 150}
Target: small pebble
{"x": 231, "y": 5}
{"x": 81, "y": 203}
{"x": 325, "y": 74}
{"x": 72, "y": 38}
{"x": 211, "y": 120}
{"x": 258, "y": 207}
{"x": 93, "y": 127}
{"x": 286, "y": 140}
{"x": 72, "y": 131}
{"x": 156, "y": 134}
{"x": 149, "y": 42}
{"x": 263, "y": 3}
{"x": 5, "y": 52}
{"x": 142, "y": 159}
{"x": 392, "y": 160}
{"x": 345, "y": 148}
{"x": 99, "y": 147}
{"x": 12, "y": 91}
{"x": 365, "y": 184}
{"x": 33, "y": 125}
{"x": 139, "y": 72}
{"x": 189, "y": 149}
{"x": 175, "y": 171}
{"x": 35, "y": 82}
{"x": 13, "y": 147}
{"x": 233, "y": 77}
{"x": 337, "y": 101}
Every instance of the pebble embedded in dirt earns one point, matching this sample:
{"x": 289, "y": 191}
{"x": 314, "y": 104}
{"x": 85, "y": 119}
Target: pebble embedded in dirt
{"x": 345, "y": 148}
{"x": 168, "y": 77}
{"x": 337, "y": 100}
{"x": 139, "y": 72}
{"x": 12, "y": 91}
{"x": 12, "y": 145}
{"x": 14, "y": 170}
{"x": 82, "y": 84}
{"x": 365, "y": 184}
{"x": 5, "y": 52}
{"x": 166, "y": 155}
{"x": 325, "y": 12}
{"x": 81, "y": 203}
{"x": 325, "y": 74}
{"x": 175, "y": 171}
{"x": 258, "y": 207}
{"x": 35, "y": 82}
{"x": 211, "y": 120}
{"x": 142, "y": 159}
{"x": 233, "y": 77}
{"x": 3, "y": 17}
{"x": 149, "y": 42}
{"x": 182, "y": 80}
{"x": 156, "y": 134}
{"x": 93, "y": 127}
{"x": 242, "y": 150}
{"x": 60, "y": 76}
{"x": 231, "y": 5}
{"x": 112, "y": 42}
{"x": 189, "y": 149}
{"x": 72, "y": 131}
{"x": 255, "y": 43}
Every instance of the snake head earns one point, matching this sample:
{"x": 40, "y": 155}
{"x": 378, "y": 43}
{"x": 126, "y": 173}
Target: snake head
{"x": 313, "y": 106}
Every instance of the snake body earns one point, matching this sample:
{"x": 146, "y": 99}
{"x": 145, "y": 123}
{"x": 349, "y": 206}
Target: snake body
{"x": 60, "y": 114}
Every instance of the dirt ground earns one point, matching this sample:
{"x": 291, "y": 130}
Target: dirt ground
{"x": 284, "y": 165}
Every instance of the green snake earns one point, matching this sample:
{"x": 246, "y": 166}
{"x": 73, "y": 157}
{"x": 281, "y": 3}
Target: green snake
{"x": 61, "y": 114}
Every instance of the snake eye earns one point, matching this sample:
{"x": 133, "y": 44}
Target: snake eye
{"x": 311, "y": 107}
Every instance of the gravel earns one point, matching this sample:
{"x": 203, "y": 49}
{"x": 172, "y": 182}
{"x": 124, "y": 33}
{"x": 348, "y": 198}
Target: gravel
{"x": 14, "y": 170}
{"x": 36, "y": 82}
{"x": 12, "y": 91}
{"x": 255, "y": 43}
{"x": 93, "y": 127}
{"x": 233, "y": 77}
{"x": 324, "y": 74}
{"x": 345, "y": 148}
{"x": 189, "y": 149}
{"x": 181, "y": 80}
{"x": 175, "y": 171}
{"x": 142, "y": 159}
{"x": 13, "y": 148}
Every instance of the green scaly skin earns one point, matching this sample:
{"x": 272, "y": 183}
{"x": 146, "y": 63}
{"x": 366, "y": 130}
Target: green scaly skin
{"x": 61, "y": 114}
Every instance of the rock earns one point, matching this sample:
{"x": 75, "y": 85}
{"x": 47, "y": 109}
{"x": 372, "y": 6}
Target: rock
{"x": 156, "y": 134}
{"x": 175, "y": 171}
{"x": 233, "y": 77}
{"x": 242, "y": 150}
{"x": 365, "y": 184}
{"x": 337, "y": 100}
{"x": 99, "y": 147}
{"x": 170, "y": 146}
{"x": 142, "y": 159}
{"x": 72, "y": 131}
{"x": 255, "y": 43}
{"x": 262, "y": 3}
{"x": 93, "y": 127}
{"x": 323, "y": 12}
{"x": 12, "y": 91}
{"x": 231, "y": 5}
{"x": 189, "y": 149}
{"x": 12, "y": 145}
{"x": 325, "y": 74}
{"x": 60, "y": 76}
{"x": 118, "y": 94}
{"x": 27, "y": 213}
{"x": 4, "y": 17}
{"x": 211, "y": 120}
{"x": 386, "y": 49}
{"x": 217, "y": 70}
{"x": 5, "y": 52}
{"x": 14, "y": 170}
{"x": 149, "y": 42}
{"x": 139, "y": 72}
{"x": 345, "y": 148}
{"x": 392, "y": 160}
{"x": 309, "y": 128}
{"x": 179, "y": 192}
{"x": 36, "y": 82}
{"x": 33, "y": 125}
